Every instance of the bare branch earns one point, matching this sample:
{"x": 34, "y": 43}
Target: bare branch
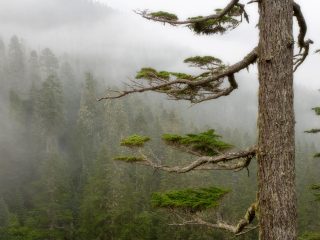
{"x": 240, "y": 229}
{"x": 145, "y": 14}
{"x": 221, "y": 161}
{"x": 303, "y": 44}
{"x": 198, "y": 87}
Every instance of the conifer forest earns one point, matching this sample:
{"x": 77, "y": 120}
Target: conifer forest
{"x": 159, "y": 120}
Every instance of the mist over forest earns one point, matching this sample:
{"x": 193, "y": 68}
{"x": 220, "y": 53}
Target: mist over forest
{"x": 58, "y": 177}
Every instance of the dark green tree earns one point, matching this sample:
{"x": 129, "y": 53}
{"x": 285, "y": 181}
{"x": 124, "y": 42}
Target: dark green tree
{"x": 50, "y": 111}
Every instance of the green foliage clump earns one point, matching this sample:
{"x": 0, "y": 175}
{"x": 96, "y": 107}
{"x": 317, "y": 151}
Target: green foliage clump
{"x": 205, "y": 61}
{"x": 129, "y": 159}
{"x": 134, "y": 141}
{"x": 164, "y": 16}
{"x": 213, "y": 26}
{"x": 182, "y": 75}
{"x": 206, "y": 143}
{"x": 316, "y": 110}
{"x": 146, "y": 73}
{"x": 317, "y": 155}
{"x": 310, "y": 236}
{"x": 314, "y": 130}
{"x": 150, "y": 74}
{"x": 189, "y": 199}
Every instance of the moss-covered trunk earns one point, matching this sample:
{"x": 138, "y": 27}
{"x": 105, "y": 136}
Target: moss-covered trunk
{"x": 277, "y": 197}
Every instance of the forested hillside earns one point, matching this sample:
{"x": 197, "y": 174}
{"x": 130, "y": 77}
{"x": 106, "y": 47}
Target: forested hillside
{"x": 58, "y": 179}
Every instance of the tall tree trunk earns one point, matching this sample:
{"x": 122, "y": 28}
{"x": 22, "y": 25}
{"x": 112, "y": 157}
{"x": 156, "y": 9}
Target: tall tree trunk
{"x": 277, "y": 197}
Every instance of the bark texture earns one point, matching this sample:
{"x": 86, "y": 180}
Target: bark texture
{"x": 276, "y": 196}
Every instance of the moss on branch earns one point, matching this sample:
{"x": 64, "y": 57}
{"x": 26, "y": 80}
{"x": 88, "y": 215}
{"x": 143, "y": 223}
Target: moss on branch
{"x": 134, "y": 141}
{"x": 209, "y": 62}
{"x": 192, "y": 200}
{"x": 151, "y": 74}
{"x": 221, "y": 25}
{"x": 161, "y": 15}
{"x": 206, "y": 143}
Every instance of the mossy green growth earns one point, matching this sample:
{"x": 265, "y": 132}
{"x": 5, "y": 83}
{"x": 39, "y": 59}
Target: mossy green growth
{"x": 202, "y": 61}
{"x": 213, "y": 26}
{"x": 134, "y": 141}
{"x": 310, "y": 236}
{"x": 206, "y": 143}
{"x": 150, "y": 74}
{"x": 130, "y": 159}
{"x": 164, "y": 16}
{"x": 182, "y": 75}
{"x": 146, "y": 73}
{"x": 313, "y": 130}
{"x": 316, "y": 110}
{"x": 192, "y": 200}
{"x": 207, "y": 27}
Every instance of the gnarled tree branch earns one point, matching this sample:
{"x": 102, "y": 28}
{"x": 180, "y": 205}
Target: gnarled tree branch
{"x": 239, "y": 229}
{"x": 304, "y": 45}
{"x": 221, "y": 161}
{"x": 200, "y": 88}
{"x": 145, "y": 14}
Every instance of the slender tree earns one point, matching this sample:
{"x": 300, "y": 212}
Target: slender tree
{"x": 275, "y": 205}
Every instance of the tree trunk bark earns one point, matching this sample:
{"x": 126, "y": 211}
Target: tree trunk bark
{"x": 276, "y": 171}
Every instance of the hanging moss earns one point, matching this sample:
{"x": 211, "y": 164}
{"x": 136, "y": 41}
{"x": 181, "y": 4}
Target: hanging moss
{"x": 207, "y": 27}
{"x": 316, "y": 110}
{"x": 206, "y": 143}
{"x": 314, "y": 130}
{"x": 221, "y": 25}
{"x": 134, "y": 141}
{"x": 164, "y": 16}
{"x": 130, "y": 159}
{"x": 189, "y": 199}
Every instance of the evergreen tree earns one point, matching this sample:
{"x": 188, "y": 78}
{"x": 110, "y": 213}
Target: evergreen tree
{"x": 275, "y": 149}
{"x": 48, "y": 62}
{"x": 16, "y": 63}
{"x": 50, "y": 111}
{"x": 34, "y": 68}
